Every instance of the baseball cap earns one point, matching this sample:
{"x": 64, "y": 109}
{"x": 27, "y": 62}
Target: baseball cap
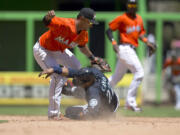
{"x": 89, "y": 14}
{"x": 132, "y": 2}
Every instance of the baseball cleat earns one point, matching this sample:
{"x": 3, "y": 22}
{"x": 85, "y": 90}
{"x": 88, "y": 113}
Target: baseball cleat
{"x": 177, "y": 107}
{"x": 57, "y": 118}
{"x": 133, "y": 108}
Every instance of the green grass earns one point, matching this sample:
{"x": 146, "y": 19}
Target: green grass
{"x": 3, "y": 121}
{"x": 152, "y": 111}
{"x": 25, "y": 110}
{"x": 148, "y": 111}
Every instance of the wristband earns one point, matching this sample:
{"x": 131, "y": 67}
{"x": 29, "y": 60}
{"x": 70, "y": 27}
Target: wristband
{"x": 57, "y": 70}
{"x": 114, "y": 42}
{"x": 91, "y": 57}
{"x": 145, "y": 40}
{"x": 72, "y": 72}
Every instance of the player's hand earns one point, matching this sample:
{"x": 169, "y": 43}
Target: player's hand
{"x": 151, "y": 48}
{"x": 149, "y": 44}
{"x": 116, "y": 48}
{"x": 46, "y": 72}
{"x": 47, "y": 18}
{"x": 51, "y": 13}
{"x": 103, "y": 65}
{"x": 96, "y": 60}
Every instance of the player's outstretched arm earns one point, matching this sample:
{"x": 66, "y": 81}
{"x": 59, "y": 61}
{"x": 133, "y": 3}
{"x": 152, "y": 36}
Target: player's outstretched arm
{"x": 85, "y": 50}
{"x": 68, "y": 72}
{"x": 111, "y": 38}
{"x": 109, "y": 34}
{"x": 151, "y": 46}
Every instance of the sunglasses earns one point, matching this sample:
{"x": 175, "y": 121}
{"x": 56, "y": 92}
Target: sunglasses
{"x": 132, "y": 5}
{"x": 88, "y": 21}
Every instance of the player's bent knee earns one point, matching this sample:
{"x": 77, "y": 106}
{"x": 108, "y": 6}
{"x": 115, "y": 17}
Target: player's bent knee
{"x": 139, "y": 75}
{"x": 140, "y": 78}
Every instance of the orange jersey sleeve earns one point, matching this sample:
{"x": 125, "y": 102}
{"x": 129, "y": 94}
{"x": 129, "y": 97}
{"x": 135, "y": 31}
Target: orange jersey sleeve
{"x": 142, "y": 32}
{"x": 116, "y": 23}
{"x": 175, "y": 66}
{"x": 170, "y": 62}
{"x": 167, "y": 63}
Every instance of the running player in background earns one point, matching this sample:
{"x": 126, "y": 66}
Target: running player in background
{"x": 52, "y": 49}
{"x": 130, "y": 27}
{"x": 174, "y": 64}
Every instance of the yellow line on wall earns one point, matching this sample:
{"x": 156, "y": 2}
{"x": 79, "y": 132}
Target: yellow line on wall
{"x": 38, "y": 101}
{"x": 30, "y": 78}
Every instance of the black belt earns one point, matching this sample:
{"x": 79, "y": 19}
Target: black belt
{"x": 132, "y": 46}
{"x": 38, "y": 41}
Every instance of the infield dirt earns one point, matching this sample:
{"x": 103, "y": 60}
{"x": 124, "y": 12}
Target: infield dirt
{"x": 40, "y": 125}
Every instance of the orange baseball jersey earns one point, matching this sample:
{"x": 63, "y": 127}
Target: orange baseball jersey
{"x": 175, "y": 66}
{"x": 129, "y": 28}
{"x": 62, "y": 34}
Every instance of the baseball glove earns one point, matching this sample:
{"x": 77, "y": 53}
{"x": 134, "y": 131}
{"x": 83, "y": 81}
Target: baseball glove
{"x": 101, "y": 64}
{"x": 152, "y": 49}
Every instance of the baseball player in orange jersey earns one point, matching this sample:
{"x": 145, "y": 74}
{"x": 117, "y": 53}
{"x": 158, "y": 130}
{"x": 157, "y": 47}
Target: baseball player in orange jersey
{"x": 174, "y": 63}
{"x": 52, "y": 49}
{"x": 130, "y": 27}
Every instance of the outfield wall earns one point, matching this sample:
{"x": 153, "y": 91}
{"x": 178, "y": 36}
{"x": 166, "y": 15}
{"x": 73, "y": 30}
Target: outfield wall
{"x": 22, "y": 88}
{"x": 25, "y": 61}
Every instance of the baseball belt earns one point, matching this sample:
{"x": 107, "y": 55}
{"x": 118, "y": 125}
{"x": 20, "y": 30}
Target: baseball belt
{"x": 132, "y": 46}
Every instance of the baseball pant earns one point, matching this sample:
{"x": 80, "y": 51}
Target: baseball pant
{"x": 127, "y": 59}
{"x": 47, "y": 59}
{"x": 177, "y": 91}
